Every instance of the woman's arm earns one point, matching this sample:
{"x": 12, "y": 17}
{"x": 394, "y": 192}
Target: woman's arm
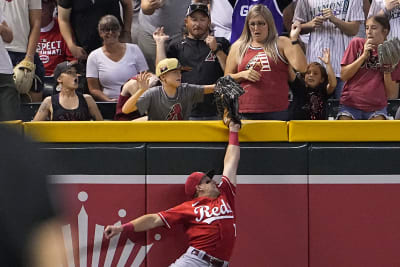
{"x": 96, "y": 90}
{"x": 293, "y": 52}
{"x": 348, "y": 71}
{"x": 44, "y": 111}
{"x": 232, "y": 64}
{"x": 35, "y": 18}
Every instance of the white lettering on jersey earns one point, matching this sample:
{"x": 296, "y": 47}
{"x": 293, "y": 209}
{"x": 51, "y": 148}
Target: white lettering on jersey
{"x": 208, "y": 215}
{"x": 259, "y": 62}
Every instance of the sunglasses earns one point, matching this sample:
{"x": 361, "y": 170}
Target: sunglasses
{"x": 109, "y": 28}
{"x": 198, "y": 7}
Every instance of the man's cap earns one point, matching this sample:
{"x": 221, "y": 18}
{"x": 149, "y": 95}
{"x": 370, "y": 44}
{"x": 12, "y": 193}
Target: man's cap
{"x": 168, "y": 64}
{"x": 64, "y": 66}
{"x": 194, "y": 179}
{"x": 197, "y": 7}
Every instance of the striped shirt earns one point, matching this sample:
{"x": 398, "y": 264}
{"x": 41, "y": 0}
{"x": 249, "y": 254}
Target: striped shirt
{"x": 378, "y": 5}
{"x": 328, "y": 36}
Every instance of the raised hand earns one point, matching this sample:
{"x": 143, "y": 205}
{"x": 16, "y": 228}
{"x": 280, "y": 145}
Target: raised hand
{"x": 159, "y": 36}
{"x": 211, "y": 42}
{"x": 326, "y": 56}
{"x": 143, "y": 80}
{"x": 295, "y": 30}
{"x": 392, "y": 4}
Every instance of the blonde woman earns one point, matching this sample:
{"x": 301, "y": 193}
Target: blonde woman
{"x": 259, "y": 60}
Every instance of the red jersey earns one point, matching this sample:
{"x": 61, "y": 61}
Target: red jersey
{"x": 271, "y": 92}
{"x": 209, "y": 222}
{"x": 52, "y": 48}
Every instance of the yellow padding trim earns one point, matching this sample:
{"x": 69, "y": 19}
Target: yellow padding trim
{"x": 154, "y": 131}
{"x": 344, "y": 131}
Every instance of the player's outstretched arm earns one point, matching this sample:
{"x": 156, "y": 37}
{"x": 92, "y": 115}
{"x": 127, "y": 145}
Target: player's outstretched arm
{"x": 232, "y": 155}
{"x": 141, "y": 224}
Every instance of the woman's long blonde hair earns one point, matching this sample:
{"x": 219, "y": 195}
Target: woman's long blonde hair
{"x": 272, "y": 37}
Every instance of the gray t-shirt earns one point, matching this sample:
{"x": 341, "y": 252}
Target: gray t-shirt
{"x": 171, "y": 16}
{"x": 161, "y": 107}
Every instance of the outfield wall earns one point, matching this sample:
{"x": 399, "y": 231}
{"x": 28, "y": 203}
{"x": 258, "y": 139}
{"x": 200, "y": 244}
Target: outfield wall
{"x": 309, "y": 193}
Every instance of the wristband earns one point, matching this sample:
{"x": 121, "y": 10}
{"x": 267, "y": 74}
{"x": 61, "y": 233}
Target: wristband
{"x": 233, "y": 138}
{"x": 128, "y": 227}
{"x": 295, "y": 42}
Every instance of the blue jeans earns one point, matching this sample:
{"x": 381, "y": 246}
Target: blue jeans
{"x": 357, "y": 114}
{"x": 17, "y": 57}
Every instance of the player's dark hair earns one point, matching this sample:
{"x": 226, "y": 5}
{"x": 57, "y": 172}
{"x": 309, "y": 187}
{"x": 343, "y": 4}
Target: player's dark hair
{"x": 382, "y": 20}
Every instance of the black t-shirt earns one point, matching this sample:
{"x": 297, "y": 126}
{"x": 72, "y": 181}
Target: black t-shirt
{"x": 205, "y": 67}
{"x": 85, "y": 16}
{"x": 308, "y": 103}
{"x": 24, "y": 200}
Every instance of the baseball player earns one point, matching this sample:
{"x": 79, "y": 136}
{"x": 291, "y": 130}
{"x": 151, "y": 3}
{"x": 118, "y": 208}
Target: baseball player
{"x": 209, "y": 217}
{"x": 391, "y": 9}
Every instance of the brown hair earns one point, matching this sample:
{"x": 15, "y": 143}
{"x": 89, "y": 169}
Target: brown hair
{"x": 322, "y": 69}
{"x": 382, "y": 20}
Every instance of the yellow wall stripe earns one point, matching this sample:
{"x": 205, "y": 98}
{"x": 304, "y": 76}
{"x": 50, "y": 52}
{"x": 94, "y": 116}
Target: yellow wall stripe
{"x": 344, "y": 131}
{"x": 154, "y": 131}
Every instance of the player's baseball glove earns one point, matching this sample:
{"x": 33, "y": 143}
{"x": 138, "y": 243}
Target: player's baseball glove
{"x": 389, "y": 54}
{"x": 227, "y": 92}
{"x": 24, "y": 73}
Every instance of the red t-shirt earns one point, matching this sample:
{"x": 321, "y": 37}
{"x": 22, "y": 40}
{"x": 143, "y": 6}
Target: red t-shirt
{"x": 271, "y": 92}
{"x": 366, "y": 89}
{"x": 209, "y": 222}
{"x": 52, "y": 48}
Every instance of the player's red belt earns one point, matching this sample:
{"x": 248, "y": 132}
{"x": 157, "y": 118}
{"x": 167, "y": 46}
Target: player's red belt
{"x": 214, "y": 262}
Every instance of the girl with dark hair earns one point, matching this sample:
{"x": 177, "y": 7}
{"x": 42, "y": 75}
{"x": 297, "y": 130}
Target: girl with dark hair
{"x": 368, "y": 84}
{"x": 311, "y": 91}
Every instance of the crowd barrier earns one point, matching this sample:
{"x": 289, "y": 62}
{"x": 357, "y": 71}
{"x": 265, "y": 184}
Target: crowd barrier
{"x": 310, "y": 193}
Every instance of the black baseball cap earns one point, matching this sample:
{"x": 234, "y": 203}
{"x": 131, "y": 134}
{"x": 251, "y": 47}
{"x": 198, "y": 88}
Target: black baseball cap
{"x": 64, "y": 66}
{"x": 197, "y": 7}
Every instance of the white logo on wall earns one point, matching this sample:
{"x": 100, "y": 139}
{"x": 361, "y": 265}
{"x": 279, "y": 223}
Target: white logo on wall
{"x": 98, "y": 240}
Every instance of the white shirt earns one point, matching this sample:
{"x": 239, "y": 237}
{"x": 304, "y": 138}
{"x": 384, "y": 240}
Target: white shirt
{"x": 112, "y": 75}
{"x": 5, "y": 62}
{"x": 221, "y": 18}
{"x": 16, "y": 14}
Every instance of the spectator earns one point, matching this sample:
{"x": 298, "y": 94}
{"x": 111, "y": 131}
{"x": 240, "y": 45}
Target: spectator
{"x": 331, "y": 27}
{"x": 124, "y": 110}
{"x": 368, "y": 85}
{"x": 23, "y": 17}
{"x": 259, "y": 61}
{"x": 9, "y": 99}
{"x": 52, "y": 48}
{"x": 111, "y": 65}
{"x": 310, "y": 94}
{"x": 172, "y": 100}
{"x": 159, "y": 13}
{"x": 67, "y": 105}
{"x": 78, "y": 21}
{"x": 390, "y": 9}
{"x": 204, "y": 53}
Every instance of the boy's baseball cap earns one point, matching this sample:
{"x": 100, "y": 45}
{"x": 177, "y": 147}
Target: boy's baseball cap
{"x": 168, "y": 64}
{"x": 193, "y": 180}
{"x": 197, "y": 7}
